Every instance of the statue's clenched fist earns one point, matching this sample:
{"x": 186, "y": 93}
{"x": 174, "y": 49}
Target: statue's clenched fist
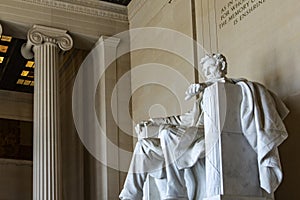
{"x": 194, "y": 89}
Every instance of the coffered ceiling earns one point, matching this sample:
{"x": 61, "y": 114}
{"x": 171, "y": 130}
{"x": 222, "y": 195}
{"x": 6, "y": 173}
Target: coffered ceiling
{"x": 16, "y": 73}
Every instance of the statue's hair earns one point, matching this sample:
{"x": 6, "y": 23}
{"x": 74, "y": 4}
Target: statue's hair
{"x": 220, "y": 60}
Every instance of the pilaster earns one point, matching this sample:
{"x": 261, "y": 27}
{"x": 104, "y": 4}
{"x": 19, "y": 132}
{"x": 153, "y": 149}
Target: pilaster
{"x": 110, "y": 178}
{"x": 93, "y": 117}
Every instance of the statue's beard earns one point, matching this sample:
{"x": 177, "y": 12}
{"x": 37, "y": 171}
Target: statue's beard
{"x": 216, "y": 75}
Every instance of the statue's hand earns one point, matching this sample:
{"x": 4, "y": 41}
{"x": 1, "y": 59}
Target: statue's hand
{"x": 194, "y": 89}
{"x": 140, "y": 127}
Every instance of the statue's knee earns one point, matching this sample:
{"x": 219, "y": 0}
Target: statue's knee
{"x": 140, "y": 143}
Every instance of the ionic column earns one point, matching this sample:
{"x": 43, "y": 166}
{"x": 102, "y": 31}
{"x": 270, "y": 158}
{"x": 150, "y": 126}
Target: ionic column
{"x": 46, "y": 43}
{"x": 0, "y": 30}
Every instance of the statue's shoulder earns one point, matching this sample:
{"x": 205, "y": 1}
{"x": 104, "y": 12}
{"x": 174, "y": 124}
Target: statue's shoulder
{"x": 237, "y": 80}
{"x": 252, "y": 84}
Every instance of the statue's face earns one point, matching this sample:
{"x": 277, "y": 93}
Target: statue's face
{"x": 211, "y": 71}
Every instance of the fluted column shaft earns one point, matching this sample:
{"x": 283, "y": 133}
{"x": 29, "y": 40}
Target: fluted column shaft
{"x": 46, "y": 166}
{"x": 47, "y": 43}
{"x": 0, "y": 30}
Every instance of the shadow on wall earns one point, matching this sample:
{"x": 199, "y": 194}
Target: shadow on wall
{"x": 289, "y": 188}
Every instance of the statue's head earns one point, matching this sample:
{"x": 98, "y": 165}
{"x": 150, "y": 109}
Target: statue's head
{"x": 214, "y": 66}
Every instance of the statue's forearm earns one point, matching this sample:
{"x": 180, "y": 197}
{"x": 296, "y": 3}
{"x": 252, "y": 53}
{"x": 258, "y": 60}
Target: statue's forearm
{"x": 172, "y": 120}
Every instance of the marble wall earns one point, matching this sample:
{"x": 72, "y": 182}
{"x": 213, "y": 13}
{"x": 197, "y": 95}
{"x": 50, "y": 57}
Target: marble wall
{"x": 85, "y": 176}
{"x": 168, "y": 73}
{"x": 16, "y": 179}
{"x": 260, "y": 40}
{"x": 16, "y": 174}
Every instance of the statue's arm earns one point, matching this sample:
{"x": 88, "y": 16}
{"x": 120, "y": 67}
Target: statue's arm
{"x": 176, "y": 120}
{"x": 142, "y": 127}
{"x": 170, "y": 120}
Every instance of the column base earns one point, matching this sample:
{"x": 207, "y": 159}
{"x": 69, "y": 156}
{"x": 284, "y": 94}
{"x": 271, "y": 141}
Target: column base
{"x": 232, "y": 197}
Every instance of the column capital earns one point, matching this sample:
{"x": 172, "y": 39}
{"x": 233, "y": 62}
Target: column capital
{"x": 39, "y": 35}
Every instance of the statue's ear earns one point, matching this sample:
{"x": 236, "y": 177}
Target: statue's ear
{"x": 223, "y": 66}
